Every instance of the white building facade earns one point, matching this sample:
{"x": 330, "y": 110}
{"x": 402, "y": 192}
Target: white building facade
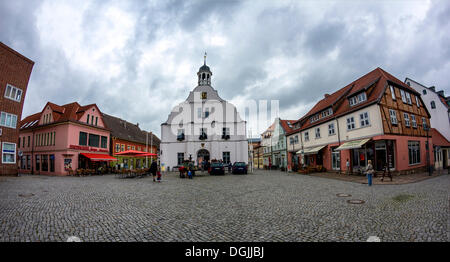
{"x": 436, "y": 104}
{"x": 203, "y": 127}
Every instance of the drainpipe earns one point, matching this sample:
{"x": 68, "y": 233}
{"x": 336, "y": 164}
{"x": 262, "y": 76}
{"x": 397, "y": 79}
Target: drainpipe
{"x": 32, "y": 154}
{"x": 339, "y": 144}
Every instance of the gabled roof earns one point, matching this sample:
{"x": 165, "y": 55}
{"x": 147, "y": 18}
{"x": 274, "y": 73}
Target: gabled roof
{"x": 438, "y": 139}
{"x": 68, "y": 112}
{"x": 125, "y": 130}
{"x": 287, "y": 125}
{"x": 377, "y": 80}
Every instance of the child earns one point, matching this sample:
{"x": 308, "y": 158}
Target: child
{"x": 190, "y": 174}
{"x": 158, "y": 173}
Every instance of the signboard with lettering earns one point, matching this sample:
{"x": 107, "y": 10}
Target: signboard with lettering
{"x": 88, "y": 148}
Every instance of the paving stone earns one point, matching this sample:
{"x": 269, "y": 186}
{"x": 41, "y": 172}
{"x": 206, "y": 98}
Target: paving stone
{"x": 264, "y": 206}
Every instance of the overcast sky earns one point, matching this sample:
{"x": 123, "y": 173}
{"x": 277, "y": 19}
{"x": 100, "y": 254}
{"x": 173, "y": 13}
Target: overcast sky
{"x": 138, "y": 59}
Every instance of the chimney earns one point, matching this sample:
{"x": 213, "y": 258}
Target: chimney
{"x": 137, "y": 124}
{"x": 326, "y": 95}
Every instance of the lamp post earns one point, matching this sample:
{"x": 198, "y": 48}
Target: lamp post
{"x": 426, "y": 128}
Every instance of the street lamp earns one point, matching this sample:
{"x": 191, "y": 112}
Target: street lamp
{"x": 426, "y": 128}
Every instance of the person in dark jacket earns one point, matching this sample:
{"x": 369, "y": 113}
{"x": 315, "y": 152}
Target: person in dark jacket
{"x": 153, "y": 170}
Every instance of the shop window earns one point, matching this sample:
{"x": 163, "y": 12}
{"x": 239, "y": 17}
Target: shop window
{"x": 44, "y": 162}
{"x": 414, "y": 152}
{"x": 52, "y": 163}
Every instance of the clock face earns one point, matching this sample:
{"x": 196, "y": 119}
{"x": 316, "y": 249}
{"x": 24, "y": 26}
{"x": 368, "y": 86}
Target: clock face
{"x": 204, "y": 95}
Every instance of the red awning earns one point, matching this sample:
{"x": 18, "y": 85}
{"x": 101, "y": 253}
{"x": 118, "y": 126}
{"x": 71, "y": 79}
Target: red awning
{"x": 146, "y": 154}
{"x": 99, "y": 157}
{"x": 131, "y": 152}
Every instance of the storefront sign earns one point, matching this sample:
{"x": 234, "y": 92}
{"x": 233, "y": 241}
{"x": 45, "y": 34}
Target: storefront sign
{"x": 87, "y": 148}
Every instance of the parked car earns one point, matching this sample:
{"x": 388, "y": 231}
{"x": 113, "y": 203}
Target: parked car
{"x": 216, "y": 168}
{"x": 239, "y": 168}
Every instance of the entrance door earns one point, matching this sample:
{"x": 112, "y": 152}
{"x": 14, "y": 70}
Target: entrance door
{"x": 202, "y": 154}
{"x": 335, "y": 160}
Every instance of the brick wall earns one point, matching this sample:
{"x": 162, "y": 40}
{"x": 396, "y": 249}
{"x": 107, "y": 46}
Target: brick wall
{"x": 15, "y": 69}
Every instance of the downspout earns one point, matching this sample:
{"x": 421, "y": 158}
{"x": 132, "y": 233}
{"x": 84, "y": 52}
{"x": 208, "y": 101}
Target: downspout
{"x": 339, "y": 144}
{"x": 32, "y": 155}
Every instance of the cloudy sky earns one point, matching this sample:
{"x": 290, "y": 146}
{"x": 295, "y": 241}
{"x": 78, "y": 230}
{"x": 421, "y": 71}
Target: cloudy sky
{"x": 138, "y": 59}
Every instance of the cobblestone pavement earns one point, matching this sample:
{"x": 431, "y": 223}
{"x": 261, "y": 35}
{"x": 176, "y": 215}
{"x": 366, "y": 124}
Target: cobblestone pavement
{"x": 264, "y": 206}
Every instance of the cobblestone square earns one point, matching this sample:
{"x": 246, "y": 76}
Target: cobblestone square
{"x": 263, "y": 206}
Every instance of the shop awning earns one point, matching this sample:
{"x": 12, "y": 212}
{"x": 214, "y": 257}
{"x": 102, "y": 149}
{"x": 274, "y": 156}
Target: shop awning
{"x": 130, "y": 153}
{"x": 99, "y": 157}
{"x": 310, "y": 150}
{"x": 146, "y": 154}
{"x": 353, "y": 144}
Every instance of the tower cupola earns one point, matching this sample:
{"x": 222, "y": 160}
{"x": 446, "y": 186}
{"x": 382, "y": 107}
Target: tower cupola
{"x": 204, "y": 74}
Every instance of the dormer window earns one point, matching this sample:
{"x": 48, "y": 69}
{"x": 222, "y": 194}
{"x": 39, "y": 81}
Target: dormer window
{"x": 357, "y": 99}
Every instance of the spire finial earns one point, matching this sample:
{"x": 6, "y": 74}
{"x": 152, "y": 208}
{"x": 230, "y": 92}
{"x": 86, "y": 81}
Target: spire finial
{"x": 204, "y": 60}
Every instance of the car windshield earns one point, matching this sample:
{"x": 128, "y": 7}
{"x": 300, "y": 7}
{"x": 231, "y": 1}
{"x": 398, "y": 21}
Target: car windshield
{"x": 239, "y": 164}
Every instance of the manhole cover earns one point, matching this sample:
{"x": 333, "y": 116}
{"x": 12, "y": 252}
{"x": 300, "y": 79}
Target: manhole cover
{"x": 26, "y": 195}
{"x": 343, "y": 195}
{"x": 356, "y": 201}
{"x": 73, "y": 239}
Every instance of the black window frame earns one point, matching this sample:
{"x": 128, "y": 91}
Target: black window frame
{"x": 85, "y": 139}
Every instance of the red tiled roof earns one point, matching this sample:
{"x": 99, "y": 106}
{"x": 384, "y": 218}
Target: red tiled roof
{"x": 285, "y": 125}
{"x": 68, "y": 112}
{"x": 377, "y": 77}
{"x": 438, "y": 139}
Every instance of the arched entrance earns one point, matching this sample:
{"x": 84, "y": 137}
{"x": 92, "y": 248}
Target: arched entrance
{"x": 202, "y": 154}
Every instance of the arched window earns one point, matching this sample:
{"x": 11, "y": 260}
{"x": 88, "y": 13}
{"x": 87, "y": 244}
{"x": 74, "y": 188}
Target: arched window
{"x": 433, "y": 105}
{"x": 203, "y": 76}
{"x": 424, "y": 92}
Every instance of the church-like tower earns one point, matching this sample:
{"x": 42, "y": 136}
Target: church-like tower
{"x": 203, "y": 127}
{"x": 204, "y": 74}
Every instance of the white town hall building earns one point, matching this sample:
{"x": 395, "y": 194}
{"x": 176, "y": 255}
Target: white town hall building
{"x": 204, "y": 127}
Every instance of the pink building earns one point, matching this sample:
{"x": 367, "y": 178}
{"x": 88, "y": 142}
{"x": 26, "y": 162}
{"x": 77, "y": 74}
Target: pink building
{"x": 60, "y": 138}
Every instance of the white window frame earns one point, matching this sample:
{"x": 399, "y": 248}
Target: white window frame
{"x": 393, "y": 116}
{"x": 406, "y": 117}
{"x": 413, "y": 121}
{"x": 417, "y": 101}
{"x": 331, "y": 130}
{"x": 306, "y": 136}
{"x": 351, "y": 124}
{"x": 9, "y": 153}
{"x": 402, "y": 93}
{"x": 317, "y": 132}
{"x": 393, "y": 92}
{"x": 4, "y": 120}
{"x": 424, "y": 122}
{"x": 296, "y": 139}
{"x": 408, "y": 98}
{"x": 17, "y": 97}
{"x": 364, "y": 119}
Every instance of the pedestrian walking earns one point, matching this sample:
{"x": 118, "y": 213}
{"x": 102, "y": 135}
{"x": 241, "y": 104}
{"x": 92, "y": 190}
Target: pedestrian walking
{"x": 369, "y": 172}
{"x": 190, "y": 174}
{"x": 153, "y": 170}
{"x": 347, "y": 165}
